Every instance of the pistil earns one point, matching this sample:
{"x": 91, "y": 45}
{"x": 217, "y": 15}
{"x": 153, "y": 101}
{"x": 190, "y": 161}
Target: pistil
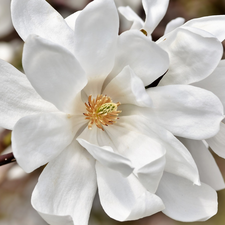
{"x": 101, "y": 111}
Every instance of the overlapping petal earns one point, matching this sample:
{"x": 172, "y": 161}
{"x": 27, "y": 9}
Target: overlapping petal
{"x": 66, "y": 188}
{"x": 127, "y": 88}
{"x": 217, "y": 143}
{"x": 211, "y": 24}
{"x": 190, "y": 55}
{"x": 208, "y": 169}
{"x": 97, "y": 144}
{"x": 38, "y": 17}
{"x": 215, "y": 82}
{"x": 39, "y": 138}
{"x": 178, "y": 159}
{"x": 186, "y": 202}
{"x": 96, "y": 38}
{"x": 125, "y": 198}
{"x": 71, "y": 19}
{"x": 22, "y": 99}
{"x": 173, "y": 24}
{"x": 146, "y": 154}
{"x": 145, "y": 58}
{"x": 130, "y": 15}
{"x": 186, "y": 111}
{"x": 54, "y": 72}
{"x": 154, "y": 11}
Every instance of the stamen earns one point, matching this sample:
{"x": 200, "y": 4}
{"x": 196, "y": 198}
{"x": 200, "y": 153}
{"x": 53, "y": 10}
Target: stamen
{"x": 101, "y": 111}
{"x": 144, "y": 32}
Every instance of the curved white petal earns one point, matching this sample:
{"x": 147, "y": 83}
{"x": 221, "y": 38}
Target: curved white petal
{"x": 130, "y": 15}
{"x": 190, "y": 54}
{"x": 54, "y": 72}
{"x": 173, "y": 24}
{"x": 39, "y": 138}
{"x": 97, "y": 144}
{"x": 211, "y": 24}
{"x": 215, "y": 82}
{"x": 217, "y": 143}
{"x": 71, "y": 19}
{"x": 125, "y": 198}
{"x": 145, "y": 58}
{"x": 66, "y": 188}
{"x": 178, "y": 159}
{"x": 146, "y": 154}
{"x": 151, "y": 174}
{"x": 186, "y": 111}
{"x": 96, "y": 34}
{"x": 208, "y": 169}
{"x": 187, "y": 202}
{"x": 38, "y": 17}
{"x": 17, "y": 97}
{"x": 127, "y": 88}
{"x": 155, "y": 11}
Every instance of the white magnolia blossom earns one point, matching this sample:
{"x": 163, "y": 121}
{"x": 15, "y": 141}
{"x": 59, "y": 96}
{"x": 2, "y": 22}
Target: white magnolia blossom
{"x": 80, "y": 77}
{"x": 195, "y": 51}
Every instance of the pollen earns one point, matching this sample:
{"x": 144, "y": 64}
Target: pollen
{"x": 101, "y": 111}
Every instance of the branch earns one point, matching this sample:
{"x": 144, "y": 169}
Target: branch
{"x": 7, "y": 158}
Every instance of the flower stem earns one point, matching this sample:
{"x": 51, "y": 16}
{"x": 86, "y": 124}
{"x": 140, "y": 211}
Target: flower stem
{"x": 7, "y": 158}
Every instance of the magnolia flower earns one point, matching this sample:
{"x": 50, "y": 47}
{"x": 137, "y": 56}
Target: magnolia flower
{"x": 192, "y": 62}
{"x": 80, "y": 78}
{"x": 209, "y": 32}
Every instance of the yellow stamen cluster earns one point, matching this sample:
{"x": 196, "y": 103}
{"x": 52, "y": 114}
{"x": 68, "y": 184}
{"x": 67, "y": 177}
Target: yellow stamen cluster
{"x": 101, "y": 111}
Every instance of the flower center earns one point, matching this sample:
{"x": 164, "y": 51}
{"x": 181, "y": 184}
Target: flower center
{"x": 101, "y": 111}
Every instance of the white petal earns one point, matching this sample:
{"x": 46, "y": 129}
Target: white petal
{"x": 71, "y": 20}
{"x": 145, "y": 58}
{"x": 155, "y": 11}
{"x": 208, "y": 169}
{"x": 96, "y": 34}
{"x": 186, "y": 111}
{"x": 66, "y": 188}
{"x": 178, "y": 159}
{"x": 54, "y": 72}
{"x": 127, "y": 88}
{"x": 130, "y": 15}
{"x": 125, "y": 198}
{"x": 39, "y": 138}
{"x": 146, "y": 154}
{"x": 173, "y": 24}
{"x": 96, "y": 143}
{"x": 17, "y": 97}
{"x": 38, "y": 17}
{"x": 151, "y": 174}
{"x": 190, "y": 55}
{"x": 187, "y": 202}
{"x": 211, "y": 24}
{"x": 215, "y": 82}
{"x": 217, "y": 143}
